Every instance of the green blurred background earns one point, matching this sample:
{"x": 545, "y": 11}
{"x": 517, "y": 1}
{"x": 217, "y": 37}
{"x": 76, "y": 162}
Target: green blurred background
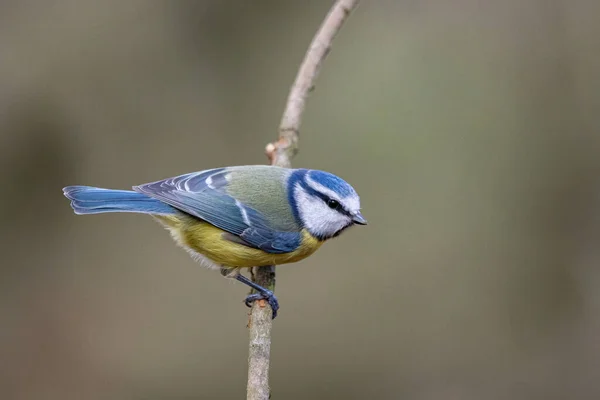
{"x": 469, "y": 128}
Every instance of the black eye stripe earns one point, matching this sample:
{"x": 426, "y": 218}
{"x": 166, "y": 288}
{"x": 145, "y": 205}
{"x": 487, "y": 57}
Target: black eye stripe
{"x": 333, "y": 204}
{"x": 311, "y": 191}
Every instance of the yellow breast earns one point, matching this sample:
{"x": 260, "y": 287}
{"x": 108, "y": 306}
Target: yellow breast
{"x": 207, "y": 240}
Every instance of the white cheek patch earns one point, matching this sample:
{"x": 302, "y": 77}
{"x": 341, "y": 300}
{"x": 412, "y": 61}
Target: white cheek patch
{"x": 351, "y": 203}
{"x": 318, "y": 218}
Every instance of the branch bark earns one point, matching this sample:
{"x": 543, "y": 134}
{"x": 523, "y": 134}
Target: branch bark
{"x": 280, "y": 153}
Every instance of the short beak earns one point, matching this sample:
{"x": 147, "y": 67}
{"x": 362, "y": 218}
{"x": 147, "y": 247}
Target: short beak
{"x": 357, "y": 218}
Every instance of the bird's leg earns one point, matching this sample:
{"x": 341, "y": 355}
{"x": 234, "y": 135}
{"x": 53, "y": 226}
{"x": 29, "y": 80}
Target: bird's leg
{"x": 230, "y": 273}
{"x": 261, "y": 292}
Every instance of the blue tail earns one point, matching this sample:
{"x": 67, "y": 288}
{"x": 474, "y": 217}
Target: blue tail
{"x": 91, "y": 200}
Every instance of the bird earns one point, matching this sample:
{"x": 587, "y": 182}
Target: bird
{"x": 238, "y": 217}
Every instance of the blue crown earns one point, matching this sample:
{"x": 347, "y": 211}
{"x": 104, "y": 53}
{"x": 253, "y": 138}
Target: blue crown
{"x": 335, "y": 183}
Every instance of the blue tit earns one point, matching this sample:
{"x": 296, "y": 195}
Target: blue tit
{"x": 238, "y": 217}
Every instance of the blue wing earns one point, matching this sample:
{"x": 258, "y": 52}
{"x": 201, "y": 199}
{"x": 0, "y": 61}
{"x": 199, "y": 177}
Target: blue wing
{"x": 203, "y": 195}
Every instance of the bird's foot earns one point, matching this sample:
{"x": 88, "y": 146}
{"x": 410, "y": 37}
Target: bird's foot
{"x": 261, "y": 294}
{"x": 267, "y": 295}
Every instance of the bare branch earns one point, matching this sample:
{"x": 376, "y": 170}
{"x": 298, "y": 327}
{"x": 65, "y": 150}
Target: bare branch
{"x": 280, "y": 153}
{"x": 285, "y": 148}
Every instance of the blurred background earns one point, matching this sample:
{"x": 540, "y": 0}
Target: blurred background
{"x": 469, "y": 128}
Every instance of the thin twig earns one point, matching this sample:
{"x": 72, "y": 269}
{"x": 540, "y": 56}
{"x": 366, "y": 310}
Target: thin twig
{"x": 280, "y": 153}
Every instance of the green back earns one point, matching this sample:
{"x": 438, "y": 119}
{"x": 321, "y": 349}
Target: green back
{"x": 264, "y": 188}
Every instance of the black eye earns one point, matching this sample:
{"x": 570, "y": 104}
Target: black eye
{"x": 333, "y": 204}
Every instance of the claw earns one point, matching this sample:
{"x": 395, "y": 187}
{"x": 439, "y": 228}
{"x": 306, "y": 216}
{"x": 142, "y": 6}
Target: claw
{"x": 266, "y": 295}
{"x": 262, "y": 294}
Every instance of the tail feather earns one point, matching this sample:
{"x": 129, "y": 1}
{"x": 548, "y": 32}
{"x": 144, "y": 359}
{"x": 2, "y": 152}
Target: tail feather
{"x": 91, "y": 200}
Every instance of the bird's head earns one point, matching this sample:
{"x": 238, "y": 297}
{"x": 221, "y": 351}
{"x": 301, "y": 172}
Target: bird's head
{"x": 323, "y": 203}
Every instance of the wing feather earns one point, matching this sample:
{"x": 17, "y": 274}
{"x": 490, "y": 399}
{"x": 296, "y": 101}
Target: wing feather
{"x": 204, "y": 196}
